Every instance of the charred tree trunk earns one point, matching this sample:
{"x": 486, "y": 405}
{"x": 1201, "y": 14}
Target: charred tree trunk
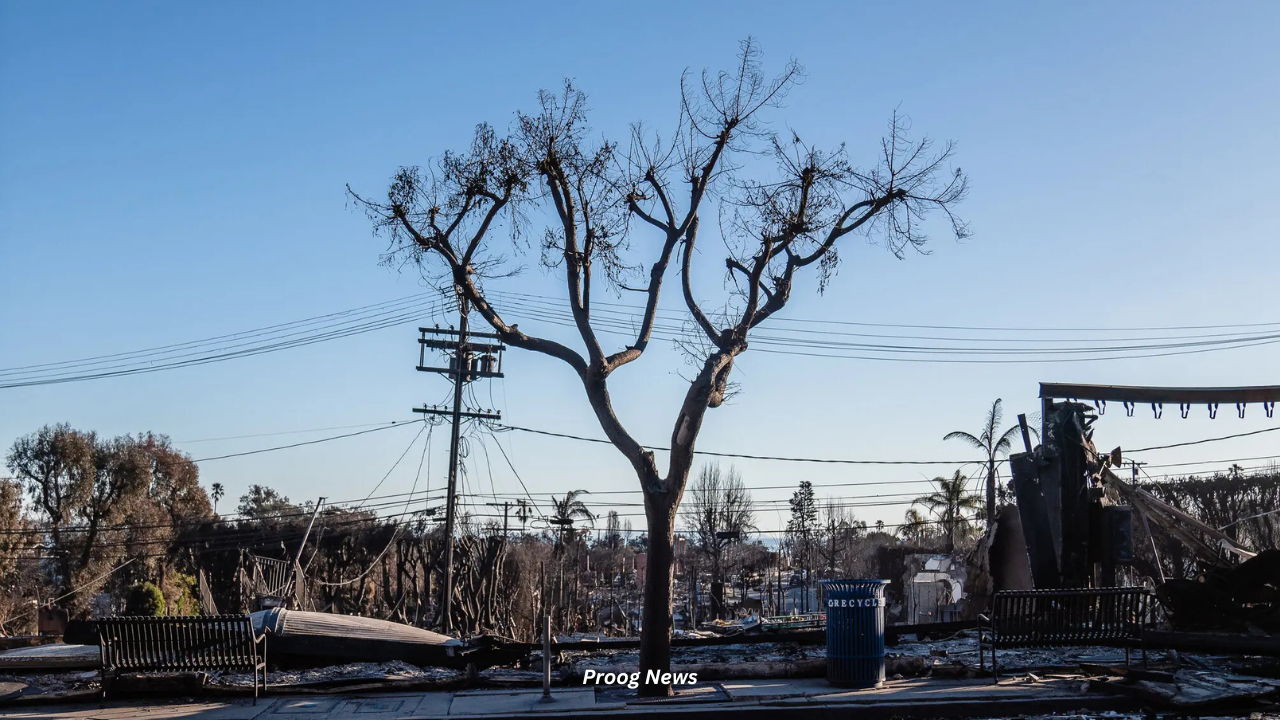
{"x": 655, "y": 635}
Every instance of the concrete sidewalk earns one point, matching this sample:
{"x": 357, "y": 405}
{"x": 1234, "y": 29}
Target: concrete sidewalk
{"x": 801, "y": 699}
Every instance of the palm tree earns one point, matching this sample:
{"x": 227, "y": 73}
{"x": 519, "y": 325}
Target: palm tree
{"x": 564, "y": 511}
{"x": 949, "y": 503}
{"x": 992, "y": 443}
{"x": 216, "y": 492}
{"x": 914, "y": 526}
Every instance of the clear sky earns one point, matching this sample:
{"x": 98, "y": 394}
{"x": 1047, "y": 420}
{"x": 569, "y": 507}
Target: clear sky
{"x": 170, "y": 172}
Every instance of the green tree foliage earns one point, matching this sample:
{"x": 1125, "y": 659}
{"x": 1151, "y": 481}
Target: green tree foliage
{"x": 14, "y": 528}
{"x": 802, "y": 528}
{"x": 804, "y": 511}
{"x": 182, "y": 592}
{"x": 145, "y": 599}
{"x": 100, "y": 498}
{"x": 262, "y": 502}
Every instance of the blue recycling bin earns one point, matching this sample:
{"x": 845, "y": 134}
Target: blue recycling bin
{"x": 855, "y": 632}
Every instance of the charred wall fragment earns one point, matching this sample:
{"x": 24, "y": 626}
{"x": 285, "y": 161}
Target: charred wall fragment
{"x": 1075, "y": 529}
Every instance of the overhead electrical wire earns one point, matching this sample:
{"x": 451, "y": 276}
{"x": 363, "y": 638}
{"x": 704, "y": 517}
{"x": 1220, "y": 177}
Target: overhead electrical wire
{"x": 419, "y": 297}
{"x": 317, "y": 441}
{"x": 568, "y": 436}
{"x": 1213, "y": 462}
{"x": 1203, "y": 441}
{"x": 614, "y": 322}
{"x": 225, "y": 347}
{"x": 743, "y": 456}
{"x": 396, "y": 464}
{"x": 790, "y": 336}
{"x": 285, "y": 432}
{"x": 228, "y": 520}
{"x": 1156, "y": 328}
{"x": 395, "y": 534}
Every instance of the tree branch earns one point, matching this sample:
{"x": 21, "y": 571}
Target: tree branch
{"x": 686, "y": 283}
{"x": 496, "y": 207}
{"x": 656, "y": 274}
{"x": 440, "y": 244}
{"x": 575, "y": 260}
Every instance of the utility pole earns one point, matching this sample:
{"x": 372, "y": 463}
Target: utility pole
{"x": 1136, "y": 465}
{"x": 465, "y": 365}
{"x": 506, "y": 509}
{"x": 1147, "y": 526}
{"x": 297, "y": 559}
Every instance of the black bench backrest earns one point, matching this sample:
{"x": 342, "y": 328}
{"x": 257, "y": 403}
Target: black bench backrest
{"x": 218, "y": 642}
{"x": 1031, "y": 618}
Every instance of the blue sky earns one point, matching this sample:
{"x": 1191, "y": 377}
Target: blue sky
{"x": 173, "y": 172}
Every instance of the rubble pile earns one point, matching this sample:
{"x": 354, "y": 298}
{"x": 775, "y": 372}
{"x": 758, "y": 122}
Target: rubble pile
{"x": 1245, "y": 597}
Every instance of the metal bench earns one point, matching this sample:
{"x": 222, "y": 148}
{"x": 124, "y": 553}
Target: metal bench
{"x": 1059, "y": 618}
{"x": 180, "y": 644}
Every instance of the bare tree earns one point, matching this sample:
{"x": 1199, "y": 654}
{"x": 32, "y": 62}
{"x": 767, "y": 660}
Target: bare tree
{"x": 840, "y": 527}
{"x": 605, "y": 203}
{"x": 612, "y": 531}
{"x": 719, "y": 511}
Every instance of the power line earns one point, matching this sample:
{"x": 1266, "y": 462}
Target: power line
{"x": 165, "y": 349}
{"x": 1214, "y": 462}
{"x": 300, "y": 444}
{"x": 1157, "y": 328}
{"x": 620, "y": 318}
{"x": 397, "y": 462}
{"x": 1205, "y": 440}
{"x": 285, "y": 432}
{"x": 710, "y": 453}
{"x": 211, "y": 350}
{"x": 222, "y": 520}
{"x": 744, "y": 456}
{"x": 556, "y": 315}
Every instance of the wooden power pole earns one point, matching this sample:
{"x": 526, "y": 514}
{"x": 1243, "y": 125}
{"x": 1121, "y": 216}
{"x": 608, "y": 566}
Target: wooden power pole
{"x": 506, "y": 513}
{"x": 469, "y": 361}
